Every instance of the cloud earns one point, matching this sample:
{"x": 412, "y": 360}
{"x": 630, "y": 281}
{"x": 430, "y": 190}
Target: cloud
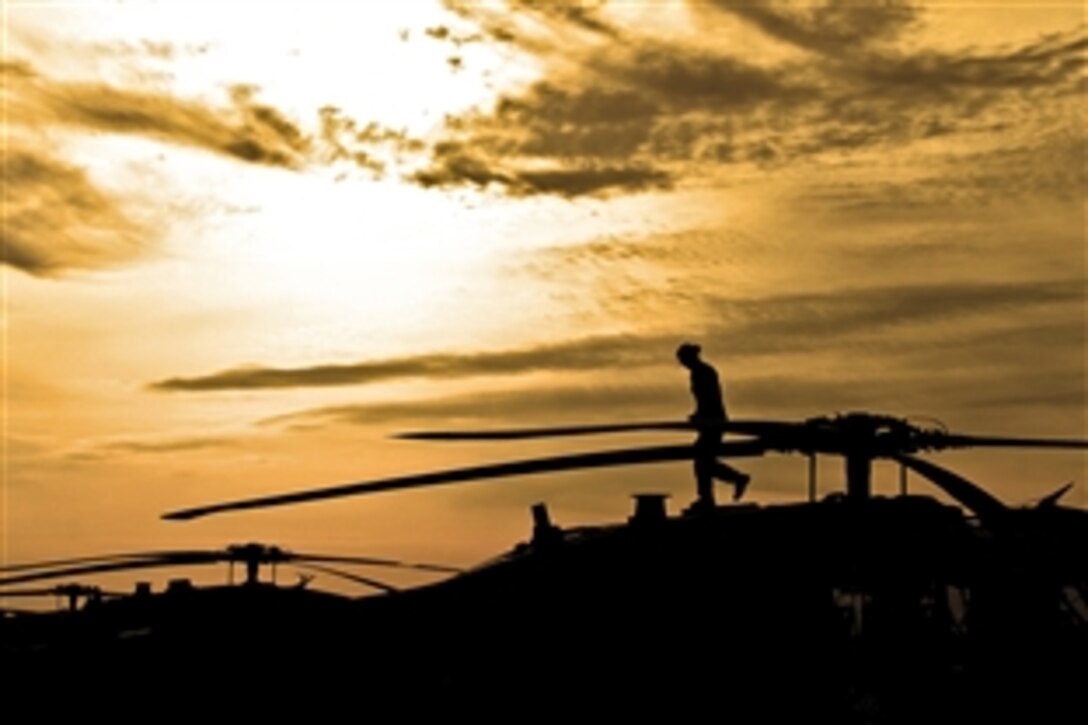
{"x": 938, "y": 380}
{"x": 595, "y": 121}
{"x": 1039, "y": 175}
{"x": 17, "y": 69}
{"x": 58, "y": 218}
{"x": 444, "y": 33}
{"x": 834, "y": 27}
{"x": 974, "y": 372}
{"x": 166, "y": 446}
{"x": 539, "y": 27}
{"x": 583, "y": 354}
{"x": 371, "y": 146}
{"x": 563, "y": 136}
{"x": 456, "y": 165}
{"x": 245, "y": 130}
{"x": 1054, "y": 63}
{"x": 585, "y": 402}
{"x": 590, "y": 179}
{"x": 581, "y": 16}
{"x": 55, "y": 219}
{"x": 110, "y": 449}
{"x": 550, "y": 142}
{"x": 763, "y": 325}
{"x": 858, "y": 82}
{"x": 749, "y": 327}
{"x": 690, "y": 79}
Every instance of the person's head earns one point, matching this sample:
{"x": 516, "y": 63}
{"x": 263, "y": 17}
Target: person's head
{"x": 688, "y": 354}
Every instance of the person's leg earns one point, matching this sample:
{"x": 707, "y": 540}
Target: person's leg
{"x": 706, "y": 448}
{"x": 704, "y": 480}
{"x": 739, "y": 479}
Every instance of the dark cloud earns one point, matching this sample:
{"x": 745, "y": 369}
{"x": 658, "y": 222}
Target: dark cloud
{"x": 584, "y": 402}
{"x": 590, "y": 180}
{"x": 630, "y": 95}
{"x": 627, "y": 101}
{"x": 790, "y": 397}
{"x": 914, "y": 393}
{"x": 1054, "y": 63}
{"x": 111, "y": 449}
{"x": 248, "y": 131}
{"x": 688, "y": 79}
{"x": 580, "y": 16}
{"x": 983, "y": 373}
{"x": 1048, "y": 166}
{"x": 831, "y": 26}
{"x": 1047, "y": 347}
{"x": 781, "y": 322}
{"x": 167, "y": 446}
{"x": 17, "y": 69}
{"x": 456, "y": 165}
{"x": 536, "y": 26}
{"x": 633, "y": 99}
{"x": 370, "y": 146}
{"x": 594, "y": 122}
{"x": 245, "y": 130}
{"x": 54, "y": 218}
{"x": 747, "y": 327}
{"x": 57, "y": 218}
{"x": 584, "y": 354}
{"x": 444, "y": 33}
{"x": 1071, "y": 398}
{"x": 746, "y": 396}
{"x": 890, "y": 99}
{"x": 688, "y": 106}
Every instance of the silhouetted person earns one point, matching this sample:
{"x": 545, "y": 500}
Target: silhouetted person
{"x": 709, "y": 410}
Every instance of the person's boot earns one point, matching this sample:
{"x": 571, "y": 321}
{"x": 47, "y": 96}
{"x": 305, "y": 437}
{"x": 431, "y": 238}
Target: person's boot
{"x": 700, "y": 506}
{"x": 740, "y": 485}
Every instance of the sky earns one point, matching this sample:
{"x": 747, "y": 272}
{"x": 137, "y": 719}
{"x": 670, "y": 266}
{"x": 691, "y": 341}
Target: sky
{"x": 244, "y": 242}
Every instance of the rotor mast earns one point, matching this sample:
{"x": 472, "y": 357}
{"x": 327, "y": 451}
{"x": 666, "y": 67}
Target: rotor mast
{"x": 860, "y": 443}
{"x": 859, "y": 476}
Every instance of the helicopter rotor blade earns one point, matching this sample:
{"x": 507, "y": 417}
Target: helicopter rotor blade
{"x": 599, "y": 459}
{"x": 350, "y": 576}
{"x": 58, "y": 563}
{"x": 182, "y": 556}
{"x": 746, "y": 427}
{"x": 954, "y": 440}
{"x": 56, "y": 568}
{"x": 368, "y": 561}
{"x": 1051, "y": 499}
{"x": 103, "y": 567}
{"x": 971, "y": 495}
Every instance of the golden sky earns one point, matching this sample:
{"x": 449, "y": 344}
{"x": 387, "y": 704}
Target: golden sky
{"x": 244, "y": 241}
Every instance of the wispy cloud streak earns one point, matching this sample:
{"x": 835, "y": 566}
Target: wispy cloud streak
{"x": 754, "y": 327}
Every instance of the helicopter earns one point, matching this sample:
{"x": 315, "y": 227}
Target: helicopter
{"x": 864, "y": 608}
